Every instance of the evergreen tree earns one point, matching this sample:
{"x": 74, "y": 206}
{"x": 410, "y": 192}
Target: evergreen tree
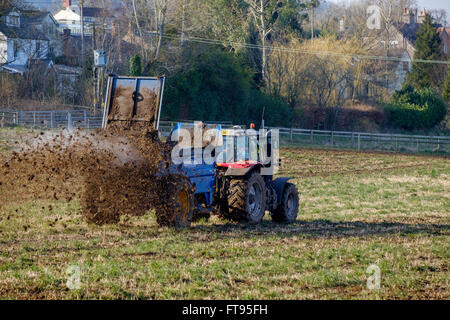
{"x": 135, "y": 66}
{"x": 428, "y": 47}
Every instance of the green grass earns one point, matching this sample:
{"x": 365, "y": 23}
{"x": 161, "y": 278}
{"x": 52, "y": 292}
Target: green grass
{"x": 357, "y": 209}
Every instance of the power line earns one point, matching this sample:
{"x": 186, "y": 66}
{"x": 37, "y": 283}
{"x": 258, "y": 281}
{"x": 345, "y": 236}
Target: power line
{"x": 300, "y": 51}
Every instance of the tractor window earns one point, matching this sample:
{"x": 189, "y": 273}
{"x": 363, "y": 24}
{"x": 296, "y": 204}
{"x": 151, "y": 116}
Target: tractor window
{"x": 226, "y": 154}
{"x": 241, "y": 148}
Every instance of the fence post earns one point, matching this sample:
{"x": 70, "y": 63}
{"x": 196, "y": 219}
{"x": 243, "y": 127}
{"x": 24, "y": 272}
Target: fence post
{"x": 85, "y": 118}
{"x": 312, "y": 136}
{"x": 69, "y": 122}
{"x": 359, "y": 142}
{"x": 51, "y": 119}
{"x": 291, "y": 134}
{"x": 439, "y": 144}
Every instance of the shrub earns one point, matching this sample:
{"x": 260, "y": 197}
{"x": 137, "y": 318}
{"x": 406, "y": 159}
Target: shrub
{"x": 276, "y": 112}
{"x": 135, "y": 66}
{"x": 411, "y": 109}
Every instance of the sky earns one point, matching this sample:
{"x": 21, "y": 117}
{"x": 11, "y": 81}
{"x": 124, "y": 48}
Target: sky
{"x": 427, "y": 4}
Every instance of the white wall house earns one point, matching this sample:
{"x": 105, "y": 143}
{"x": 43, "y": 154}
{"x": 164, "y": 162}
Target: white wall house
{"x": 70, "y": 18}
{"x": 20, "y": 43}
{"x": 47, "y": 24}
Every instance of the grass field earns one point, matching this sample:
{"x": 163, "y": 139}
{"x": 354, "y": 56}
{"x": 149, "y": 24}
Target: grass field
{"x": 357, "y": 210}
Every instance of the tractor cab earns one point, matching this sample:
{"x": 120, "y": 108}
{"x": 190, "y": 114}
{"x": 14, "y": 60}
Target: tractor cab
{"x": 245, "y": 149}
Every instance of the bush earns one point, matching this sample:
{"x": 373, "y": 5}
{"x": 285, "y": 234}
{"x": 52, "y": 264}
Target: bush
{"x": 9, "y": 86}
{"x": 135, "y": 66}
{"x": 411, "y": 109}
{"x": 276, "y": 112}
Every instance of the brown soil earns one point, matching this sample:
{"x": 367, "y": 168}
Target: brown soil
{"x": 114, "y": 173}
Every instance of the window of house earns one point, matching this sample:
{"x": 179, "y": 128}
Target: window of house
{"x": 394, "y": 44}
{"x": 13, "y": 20}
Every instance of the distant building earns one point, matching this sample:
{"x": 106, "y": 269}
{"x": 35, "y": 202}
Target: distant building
{"x": 21, "y": 42}
{"x": 399, "y": 45}
{"x": 70, "y": 18}
{"x": 45, "y": 23}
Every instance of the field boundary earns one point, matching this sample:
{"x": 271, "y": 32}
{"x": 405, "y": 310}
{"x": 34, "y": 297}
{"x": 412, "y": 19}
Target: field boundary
{"x": 288, "y": 136}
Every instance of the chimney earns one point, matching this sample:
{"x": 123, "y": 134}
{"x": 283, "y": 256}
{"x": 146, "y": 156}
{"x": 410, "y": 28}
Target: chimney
{"x": 66, "y": 3}
{"x": 408, "y": 16}
{"x": 421, "y": 17}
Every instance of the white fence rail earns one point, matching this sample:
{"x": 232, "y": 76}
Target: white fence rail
{"x": 366, "y": 141}
{"x": 336, "y": 139}
{"x": 50, "y": 119}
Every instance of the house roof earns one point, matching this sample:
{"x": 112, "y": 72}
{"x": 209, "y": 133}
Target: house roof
{"x": 441, "y": 29}
{"x": 11, "y": 68}
{"x": 25, "y": 31}
{"x": 5, "y": 8}
{"x": 33, "y": 17}
{"x": 74, "y": 11}
{"x": 409, "y": 31}
{"x": 64, "y": 69}
{"x": 93, "y": 12}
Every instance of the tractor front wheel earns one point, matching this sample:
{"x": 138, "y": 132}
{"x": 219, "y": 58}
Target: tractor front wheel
{"x": 287, "y": 210}
{"x": 247, "y": 198}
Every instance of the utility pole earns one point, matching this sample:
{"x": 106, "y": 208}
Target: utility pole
{"x": 312, "y": 23}
{"x": 183, "y": 23}
{"x": 82, "y": 32}
{"x": 96, "y": 85}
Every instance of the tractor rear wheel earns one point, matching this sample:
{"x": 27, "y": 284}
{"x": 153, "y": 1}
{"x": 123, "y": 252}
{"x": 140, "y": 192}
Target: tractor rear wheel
{"x": 184, "y": 209}
{"x": 176, "y": 211}
{"x": 247, "y": 198}
{"x": 287, "y": 210}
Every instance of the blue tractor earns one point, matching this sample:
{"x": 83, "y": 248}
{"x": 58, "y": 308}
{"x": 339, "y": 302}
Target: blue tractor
{"x": 236, "y": 185}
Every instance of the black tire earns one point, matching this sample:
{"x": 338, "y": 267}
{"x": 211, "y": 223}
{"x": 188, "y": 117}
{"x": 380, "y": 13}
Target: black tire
{"x": 247, "y": 198}
{"x": 287, "y": 211}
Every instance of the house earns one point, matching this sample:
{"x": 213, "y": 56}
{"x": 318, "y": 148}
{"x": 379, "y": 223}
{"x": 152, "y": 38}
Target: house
{"x": 70, "y": 18}
{"x": 398, "y": 46}
{"x": 45, "y": 23}
{"x": 20, "y": 41}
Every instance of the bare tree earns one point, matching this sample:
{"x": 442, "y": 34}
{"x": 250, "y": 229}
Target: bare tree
{"x": 160, "y": 20}
{"x": 263, "y": 12}
{"x": 439, "y": 16}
